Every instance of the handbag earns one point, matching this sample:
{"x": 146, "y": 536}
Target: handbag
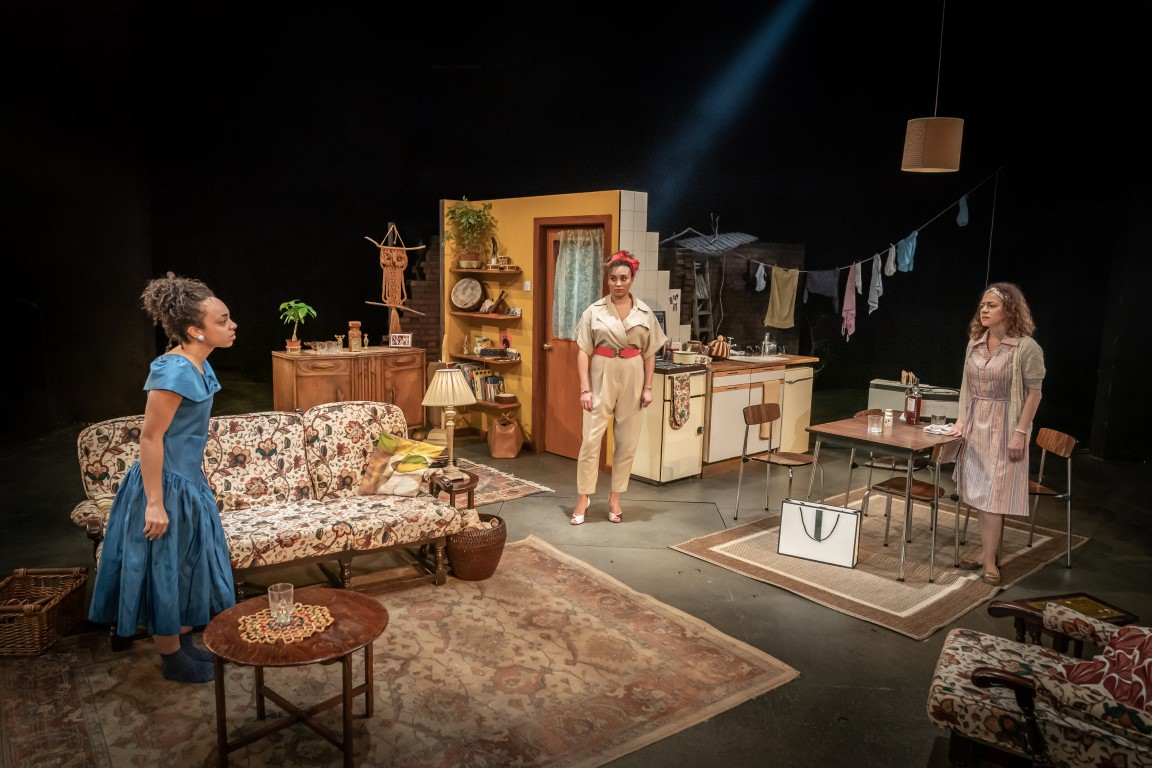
{"x": 505, "y": 438}
{"x": 819, "y": 532}
{"x": 719, "y": 349}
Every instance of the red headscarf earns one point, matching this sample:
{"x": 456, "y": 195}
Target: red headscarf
{"x": 632, "y": 262}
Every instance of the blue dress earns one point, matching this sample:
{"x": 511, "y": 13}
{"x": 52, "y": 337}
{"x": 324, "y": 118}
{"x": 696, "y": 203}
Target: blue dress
{"x": 184, "y": 577}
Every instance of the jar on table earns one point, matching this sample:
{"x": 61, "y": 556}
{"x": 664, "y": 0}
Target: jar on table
{"x": 354, "y": 336}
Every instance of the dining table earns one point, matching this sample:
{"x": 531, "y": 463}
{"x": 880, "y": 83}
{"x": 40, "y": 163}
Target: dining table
{"x": 898, "y": 439}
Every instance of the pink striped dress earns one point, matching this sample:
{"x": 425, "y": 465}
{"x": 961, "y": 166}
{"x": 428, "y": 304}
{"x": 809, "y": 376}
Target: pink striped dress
{"x": 984, "y": 476}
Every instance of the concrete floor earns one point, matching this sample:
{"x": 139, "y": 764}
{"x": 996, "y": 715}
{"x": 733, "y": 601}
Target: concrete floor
{"x": 860, "y": 697}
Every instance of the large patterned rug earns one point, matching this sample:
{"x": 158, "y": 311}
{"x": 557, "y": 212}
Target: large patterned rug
{"x": 870, "y": 591}
{"x": 494, "y": 486}
{"x": 548, "y": 663}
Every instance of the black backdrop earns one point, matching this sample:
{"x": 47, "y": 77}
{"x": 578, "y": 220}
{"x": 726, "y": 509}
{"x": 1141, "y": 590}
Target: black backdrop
{"x": 256, "y": 148}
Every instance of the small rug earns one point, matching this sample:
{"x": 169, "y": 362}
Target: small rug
{"x": 548, "y": 663}
{"x": 494, "y": 486}
{"x": 870, "y": 591}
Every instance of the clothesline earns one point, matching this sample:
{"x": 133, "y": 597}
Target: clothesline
{"x": 884, "y": 250}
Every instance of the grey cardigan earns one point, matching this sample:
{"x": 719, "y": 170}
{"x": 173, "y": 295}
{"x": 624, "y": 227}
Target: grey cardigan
{"x": 1027, "y": 373}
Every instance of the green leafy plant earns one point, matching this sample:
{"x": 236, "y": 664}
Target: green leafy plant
{"x": 471, "y": 227}
{"x": 295, "y": 312}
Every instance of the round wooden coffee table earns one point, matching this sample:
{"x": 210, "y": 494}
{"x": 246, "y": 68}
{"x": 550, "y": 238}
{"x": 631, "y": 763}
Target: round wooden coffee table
{"x": 357, "y": 620}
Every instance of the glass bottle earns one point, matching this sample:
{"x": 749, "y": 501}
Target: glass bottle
{"x": 354, "y": 336}
{"x": 913, "y": 400}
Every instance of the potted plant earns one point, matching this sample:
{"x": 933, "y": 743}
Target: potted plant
{"x": 472, "y": 228}
{"x": 295, "y": 312}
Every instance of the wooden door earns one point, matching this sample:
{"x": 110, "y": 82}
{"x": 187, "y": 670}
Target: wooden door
{"x": 556, "y": 382}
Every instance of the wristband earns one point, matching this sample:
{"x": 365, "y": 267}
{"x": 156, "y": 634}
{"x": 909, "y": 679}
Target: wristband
{"x": 648, "y": 387}
{"x": 1021, "y": 431}
{"x": 585, "y": 391}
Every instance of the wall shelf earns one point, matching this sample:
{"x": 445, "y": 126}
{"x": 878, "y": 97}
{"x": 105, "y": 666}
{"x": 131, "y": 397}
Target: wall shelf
{"x": 510, "y": 272}
{"x": 490, "y": 360}
{"x": 484, "y": 315}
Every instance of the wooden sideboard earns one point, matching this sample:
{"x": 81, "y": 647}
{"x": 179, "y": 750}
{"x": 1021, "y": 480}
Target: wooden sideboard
{"x": 384, "y": 374}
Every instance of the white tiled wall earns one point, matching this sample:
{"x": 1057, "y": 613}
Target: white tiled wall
{"x": 651, "y": 284}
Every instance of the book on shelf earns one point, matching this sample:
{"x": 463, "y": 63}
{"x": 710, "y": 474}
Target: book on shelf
{"x": 492, "y": 386}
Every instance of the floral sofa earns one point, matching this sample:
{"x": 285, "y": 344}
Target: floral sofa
{"x": 1046, "y": 707}
{"x": 286, "y": 485}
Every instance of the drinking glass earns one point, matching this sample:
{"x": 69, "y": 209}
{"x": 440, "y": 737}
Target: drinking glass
{"x": 939, "y": 420}
{"x": 875, "y": 422}
{"x": 280, "y": 602}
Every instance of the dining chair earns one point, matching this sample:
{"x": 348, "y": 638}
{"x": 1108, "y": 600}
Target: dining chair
{"x": 930, "y": 493}
{"x": 1061, "y": 445}
{"x": 1058, "y": 444}
{"x": 892, "y": 462}
{"x": 755, "y": 416}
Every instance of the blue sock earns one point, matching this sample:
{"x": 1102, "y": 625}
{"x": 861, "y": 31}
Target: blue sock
{"x": 182, "y": 668}
{"x": 189, "y": 647}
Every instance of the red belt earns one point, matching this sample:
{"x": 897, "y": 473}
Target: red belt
{"x": 626, "y": 352}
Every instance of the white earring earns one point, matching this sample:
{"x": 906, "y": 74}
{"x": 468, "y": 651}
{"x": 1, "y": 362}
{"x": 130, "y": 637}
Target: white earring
{"x": 200, "y": 337}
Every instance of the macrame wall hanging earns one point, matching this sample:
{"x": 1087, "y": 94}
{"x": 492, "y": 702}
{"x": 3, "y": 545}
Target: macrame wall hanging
{"x": 393, "y": 260}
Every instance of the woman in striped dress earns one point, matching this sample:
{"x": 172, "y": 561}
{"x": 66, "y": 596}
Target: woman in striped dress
{"x": 999, "y": 395}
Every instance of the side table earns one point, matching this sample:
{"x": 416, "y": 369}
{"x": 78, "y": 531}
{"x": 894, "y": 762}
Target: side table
{"x": 438, "y": 483}
{"x": 357, "y": 620}
{"x": 1028, "y": 616}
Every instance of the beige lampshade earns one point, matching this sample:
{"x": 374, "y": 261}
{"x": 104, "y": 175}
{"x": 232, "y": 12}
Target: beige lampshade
{"x": 932, "y": 145}
{"x": 448, "y": 388}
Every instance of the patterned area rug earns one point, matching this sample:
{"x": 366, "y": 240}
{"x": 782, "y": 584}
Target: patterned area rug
{"x": 870, "y": 591}
{"x": 548, "y": 663}
{"x": 494, "y": 486}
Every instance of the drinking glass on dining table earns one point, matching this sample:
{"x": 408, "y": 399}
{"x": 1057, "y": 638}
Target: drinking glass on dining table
{"x": 280, "y": 602}
{"x": 875, "y": 422}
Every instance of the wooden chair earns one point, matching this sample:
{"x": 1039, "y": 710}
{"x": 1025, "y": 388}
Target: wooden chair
{"x": 1057, "y": 444}
{"x": 769, "y": 413}
{"x": 891, "y": 462}
{"x": 927, "y": 492}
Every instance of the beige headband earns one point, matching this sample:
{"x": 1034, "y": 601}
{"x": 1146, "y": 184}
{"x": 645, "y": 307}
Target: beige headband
{"x": 995, "y": 290}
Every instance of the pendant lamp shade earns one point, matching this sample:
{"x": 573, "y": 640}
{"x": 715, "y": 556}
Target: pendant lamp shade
{"x": 932, "y": 145}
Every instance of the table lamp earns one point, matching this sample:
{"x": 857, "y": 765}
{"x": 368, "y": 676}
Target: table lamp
{"x": 448, "y": 389}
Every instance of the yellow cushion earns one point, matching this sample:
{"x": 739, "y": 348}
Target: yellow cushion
{"x": 397, "y": 466}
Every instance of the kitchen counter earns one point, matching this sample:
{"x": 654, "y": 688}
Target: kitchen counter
{"x": 745, "y": 362}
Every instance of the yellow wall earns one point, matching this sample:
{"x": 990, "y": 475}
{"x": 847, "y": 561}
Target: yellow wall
{"x": 515, "y": 232}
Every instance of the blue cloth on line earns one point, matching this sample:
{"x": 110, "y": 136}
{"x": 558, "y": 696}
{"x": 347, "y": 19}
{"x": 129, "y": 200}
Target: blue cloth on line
{"x": 906, "y": 252}
{"x": 962, "y": 216}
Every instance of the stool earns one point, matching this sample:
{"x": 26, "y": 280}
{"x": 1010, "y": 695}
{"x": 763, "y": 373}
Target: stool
{"x": 1028, "y": 616}
{"x": 438, "y": 484}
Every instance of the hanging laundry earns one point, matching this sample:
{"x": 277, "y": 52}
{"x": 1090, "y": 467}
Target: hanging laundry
{"x": 849, "y": 314}
{"x": 906, "y": 252}
{"x": 962, "y": 216}
{"x": 877, "y": 287}
{"x": 823, "y": 282}
{"x": 859, "y": 280}
{"x": 890, "y": 267}
{"x": 761, "y": 279}
{"x": 782, "y": 298}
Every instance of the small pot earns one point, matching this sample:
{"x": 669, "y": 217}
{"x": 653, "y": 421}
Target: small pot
{"x": 684, "y": 357}
{"x": 292, "y": 345}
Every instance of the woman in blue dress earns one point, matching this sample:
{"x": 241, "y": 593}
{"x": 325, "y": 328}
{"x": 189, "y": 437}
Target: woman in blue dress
{"x": 165, "y": 563}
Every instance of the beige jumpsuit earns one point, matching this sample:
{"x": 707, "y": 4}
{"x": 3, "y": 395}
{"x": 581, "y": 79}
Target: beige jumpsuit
{"x": 617, "y": 384}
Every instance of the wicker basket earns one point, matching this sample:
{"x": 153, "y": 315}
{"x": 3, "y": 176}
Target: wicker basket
{"x": 474, "y": 554}
{"x": 38, "y": 606}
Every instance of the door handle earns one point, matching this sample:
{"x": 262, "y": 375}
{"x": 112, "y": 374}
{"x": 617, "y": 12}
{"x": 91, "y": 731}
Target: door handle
{"x": 547, "y": 347}
{"x": 797, "y": 381}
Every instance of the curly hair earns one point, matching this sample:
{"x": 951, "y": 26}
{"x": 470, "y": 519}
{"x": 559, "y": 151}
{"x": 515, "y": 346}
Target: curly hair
{"x": 174, "y": 303}
{"x": 1018, "y": 317}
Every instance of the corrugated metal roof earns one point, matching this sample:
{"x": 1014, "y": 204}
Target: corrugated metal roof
{"x": 716, "y": 243}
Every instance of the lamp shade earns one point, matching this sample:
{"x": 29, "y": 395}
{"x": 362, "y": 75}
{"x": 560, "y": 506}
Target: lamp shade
{"x": 932, "y": 145}
{"x": 448, "y": 388}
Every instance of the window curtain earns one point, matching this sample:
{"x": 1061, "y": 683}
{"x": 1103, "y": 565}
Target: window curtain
{"x": 579, "y": 274}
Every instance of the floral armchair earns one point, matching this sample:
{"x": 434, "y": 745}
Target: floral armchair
{"x": 1044, "y": 706}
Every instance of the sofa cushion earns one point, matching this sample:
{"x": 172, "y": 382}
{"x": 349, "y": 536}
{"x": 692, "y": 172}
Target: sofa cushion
{"x": 284, "y": 532}
{"x": 1113, "y": 689}
{"x": 105, "y": 450}
{"x": 340, "y": 437}
{"x": 397, "y": 466}
{"x": 254, "y": 459}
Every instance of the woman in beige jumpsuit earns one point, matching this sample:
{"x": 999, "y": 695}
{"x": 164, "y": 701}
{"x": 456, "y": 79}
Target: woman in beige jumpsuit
{"x": 618, "y": 337}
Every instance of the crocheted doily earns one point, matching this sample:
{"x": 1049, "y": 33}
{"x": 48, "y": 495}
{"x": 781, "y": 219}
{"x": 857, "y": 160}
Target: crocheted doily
{"x": 306, "y": 621}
